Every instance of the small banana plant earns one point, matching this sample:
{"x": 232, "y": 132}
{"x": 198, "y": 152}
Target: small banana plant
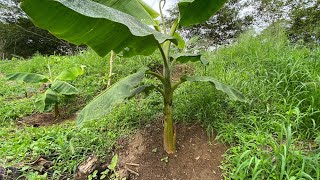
{"x": 53, "y": 87}
{"x": 129, "y": 28}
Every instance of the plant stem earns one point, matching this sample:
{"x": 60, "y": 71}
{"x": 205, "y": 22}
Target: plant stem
{"x": 169, "y": 133}
{"x": 162, "y": 18}
{"x": 56, "y": 110}
{"x": 159, "y": 76}
{"x": 166, "y": 45}
{"x": 49, "y": 69}
{"x": 111, "y": 67}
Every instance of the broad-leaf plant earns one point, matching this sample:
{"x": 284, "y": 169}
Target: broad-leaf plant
{"x": 129, "y": 28}
{"x": 54, "y": 88}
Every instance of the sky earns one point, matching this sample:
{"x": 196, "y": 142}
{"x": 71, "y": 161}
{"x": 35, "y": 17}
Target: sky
{"x": 155, "y": 4}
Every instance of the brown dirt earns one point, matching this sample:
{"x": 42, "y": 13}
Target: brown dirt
{"x": 143, "y": 157}
{"x": 180, "y": 70}
{"x": 44, "y": 119}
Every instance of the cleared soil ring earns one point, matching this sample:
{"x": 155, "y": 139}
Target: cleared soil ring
{"x": 143, "y": 157}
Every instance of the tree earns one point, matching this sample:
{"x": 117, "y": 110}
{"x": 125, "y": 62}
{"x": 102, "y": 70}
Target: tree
{"x": 305, "y": 24}
{"x": 221, "y": 28}
{"x": 124, "y": 27}
{"x": 20, "y": 37}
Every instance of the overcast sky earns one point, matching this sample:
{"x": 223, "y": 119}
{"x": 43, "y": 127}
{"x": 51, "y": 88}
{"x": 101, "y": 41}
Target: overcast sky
{"x": 155, "y": 3}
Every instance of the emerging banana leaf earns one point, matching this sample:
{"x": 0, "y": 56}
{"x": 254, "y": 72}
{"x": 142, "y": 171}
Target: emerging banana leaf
{"x": 198, "y": 11}
{"x": 27, "y": 77}
{"x": 101, "y": 27}
{"x": 102, "y": 104}
{"x": 230, "y": 91}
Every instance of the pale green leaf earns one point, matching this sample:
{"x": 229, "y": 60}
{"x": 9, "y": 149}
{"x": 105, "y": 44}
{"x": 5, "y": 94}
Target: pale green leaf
{"x": 135, "y": 8}
{"x": 102, "y": 104}
{"x": 27, "y": 77}
{"x": 193, "y": 40}
{"x": 231, "y": 92}
{"x": 198, "y": 11}
{"x": 113, "y": 162}
{"x": 153, "y": 13}
{"x": 96, "y": 25}
{"x": 71, "y": 74}
{"x": 181, "y": 42}
{"x": 64, "y": 88}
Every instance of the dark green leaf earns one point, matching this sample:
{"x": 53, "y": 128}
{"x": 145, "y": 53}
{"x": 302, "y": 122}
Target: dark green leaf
{"x": 27, "y": 77}
{"x": 231, "y": 92}
{"x": 47, "y": 101}
{"x": 140, "y": 89}
{"x": 198, "y": 11}
{"x": 102, "y": 104}
{"x": 71, "y": 74}
{"x": 100, "y": 27}
{"x": 186, "y": 57}
{"x": 64, "y": 88}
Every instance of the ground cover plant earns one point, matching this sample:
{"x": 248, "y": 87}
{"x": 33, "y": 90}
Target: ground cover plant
{"x": 121, "y": 30}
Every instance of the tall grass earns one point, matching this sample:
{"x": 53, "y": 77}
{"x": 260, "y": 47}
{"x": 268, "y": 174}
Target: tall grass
{"x": 274, "y": 135}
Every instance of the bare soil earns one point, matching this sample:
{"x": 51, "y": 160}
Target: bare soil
{"x": 45, "y": 119}
{"x": 180, "y": 70}
{"x": 142, "y": 156}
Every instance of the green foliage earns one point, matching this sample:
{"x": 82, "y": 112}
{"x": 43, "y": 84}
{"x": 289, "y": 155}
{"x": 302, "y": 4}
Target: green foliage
{"x": 24, "y": 39}
{"x": 275, "y": 135}
{"x": 222, "y": 28}
{"x": 305, "y": 25}
{"x": 54, "y": 88}
{"x": 65, "y": 144}
{"x": 91, "y": 24}
{"x": 198, "y": 11}
{"x": 122, "y": 33}
{"x": 137, "y": 9}
{"x": 231, "y": 92}
{"x": 102, "y": 104}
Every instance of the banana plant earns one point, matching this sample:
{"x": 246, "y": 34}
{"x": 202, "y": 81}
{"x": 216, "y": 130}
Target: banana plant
{"x": 128, "y": 27}
{"x": 53, "y": 87}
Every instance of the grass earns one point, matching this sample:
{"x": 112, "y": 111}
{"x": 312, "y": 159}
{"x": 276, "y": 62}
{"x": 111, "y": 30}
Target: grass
{"x": 67, "y": 144}
{"x": 274, "y": 136}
